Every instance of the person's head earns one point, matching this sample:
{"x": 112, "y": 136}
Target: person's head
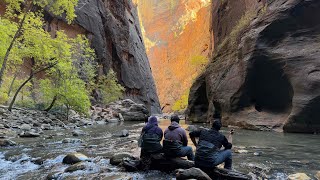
{"x": 216, "y": 124}
{"x": 153, "y": 120}
{"x": 175, "y": 118}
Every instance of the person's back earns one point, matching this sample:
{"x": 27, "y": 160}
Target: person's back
{"x": 175, "y": 141}
{"x": 208, "y": 153}
{"x": 151, "y": 137}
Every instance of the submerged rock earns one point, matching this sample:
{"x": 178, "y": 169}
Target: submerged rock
{"x": 116, "y": 159}
{"x": 298, "y": 176}
{"x": 78, "y": 133}
{"x": 71, "y": 140}
{"x": 123, "y": 133}
{"x": 76, "y": 167}
{"x": 192, "y": 173}
{"x": 53, "y": 175}
{"x": 74, "y": 158}
{"x": 7, "y": 142}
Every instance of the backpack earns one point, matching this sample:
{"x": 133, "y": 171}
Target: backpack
{"x": 205, "y": 153}
{"x": 171, "y": 147}
{"x": 151, "y": 143}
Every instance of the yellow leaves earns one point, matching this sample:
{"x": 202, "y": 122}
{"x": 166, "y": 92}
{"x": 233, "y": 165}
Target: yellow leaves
{"x": 181, "y": 103}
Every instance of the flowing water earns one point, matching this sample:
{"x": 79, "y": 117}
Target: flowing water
{"x": 267, "y": 154}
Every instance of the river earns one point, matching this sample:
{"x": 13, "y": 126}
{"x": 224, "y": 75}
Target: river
{"x": 270, "y": 155}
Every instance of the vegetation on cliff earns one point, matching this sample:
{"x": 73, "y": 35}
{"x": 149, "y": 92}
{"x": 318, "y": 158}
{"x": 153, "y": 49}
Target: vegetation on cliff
{"x": 47, "y": 69}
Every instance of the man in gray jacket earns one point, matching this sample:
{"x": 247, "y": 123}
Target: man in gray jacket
{"x": 175, "y": 140}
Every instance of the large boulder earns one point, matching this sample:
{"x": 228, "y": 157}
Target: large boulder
{"x": 192, "y": 173}
{"x": 74, "y": 158}
{"x": 264, "y": 71}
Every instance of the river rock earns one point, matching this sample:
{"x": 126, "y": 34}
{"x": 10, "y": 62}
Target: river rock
{"x": 191, "y": 128}
{"x": 116, "y": 159}
{"x": 192, "y": 173}
{"x": 241, "y": 151}
{"x": 122, "y": 133}
{"x": 2, "y": 126}
{"x": 76, "y": 167}
{"x": 29, "y": 134}
{"x": 25, "y": 127}
{"x": 71, "y": 140}
{"x": 7, "y": 142}
{"x": 54, "y": 175}
{"x": 317, "y": 176}
{"x": 46, "y": 127}
{"x": 74, "y": 158}
{"x": 38, "y": 161}
{"x": 78, "y": 133}
{"x": 113, "y": 120}
{"x": 298, "y": 176}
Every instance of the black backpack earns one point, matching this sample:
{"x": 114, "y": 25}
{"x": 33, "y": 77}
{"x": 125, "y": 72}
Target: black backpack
{"x": 205, "y": 152}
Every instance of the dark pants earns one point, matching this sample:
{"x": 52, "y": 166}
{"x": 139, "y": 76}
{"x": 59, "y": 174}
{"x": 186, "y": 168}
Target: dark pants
{"x": 186, "y": 151}
{"x": 224, "y": 156}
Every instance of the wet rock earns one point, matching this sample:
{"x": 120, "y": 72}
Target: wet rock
{"x": 38, "y": 161}
{"x": 317, "y": 176}
{"x": 74, "y": 158}
{"x": 54, "y": 175}
{"x": 2, "y": 126}
{"x": 7, "y": 142}
{"x": 29, "y": 134}
{"x": 116, "y": 159}
{"x": 71, "y": 140}
{"x": 121, "y": 117}
{"x": 76, "y": 167}
{"x": 25, "y": 127}
{"x": 298, "y": 176}
{"x": 46, "y": 127}
{"x": 114, "y": 120}
{"x": 192, "y": 173}
{"x": 123, "y": 133}
{"x": 78, "y": 133}
{"x": 257, "y": 153}
{"x": 241, "y": 151}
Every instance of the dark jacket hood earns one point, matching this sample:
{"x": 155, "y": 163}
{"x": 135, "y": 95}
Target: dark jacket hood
{"x": 174, "y": 125}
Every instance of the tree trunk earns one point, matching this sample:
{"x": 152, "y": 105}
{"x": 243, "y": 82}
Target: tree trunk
{"x": 52, "y": 103}
{"x": 17, "y": 92}
{"x": 16, "y": 35}
{"x": 26, "y": 81}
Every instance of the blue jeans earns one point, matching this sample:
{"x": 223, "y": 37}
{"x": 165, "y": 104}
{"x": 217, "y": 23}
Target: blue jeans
{"x": 186, "y": 151}
{"x": 224, "y": 156}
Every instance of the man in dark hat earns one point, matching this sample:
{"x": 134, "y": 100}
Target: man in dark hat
{"x": 175, "y": 140}
{"x": 208, "y": 153}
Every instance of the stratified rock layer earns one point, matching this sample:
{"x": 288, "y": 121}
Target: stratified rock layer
{"x": 114, "y": 30}
{"x": 265, "y": 74}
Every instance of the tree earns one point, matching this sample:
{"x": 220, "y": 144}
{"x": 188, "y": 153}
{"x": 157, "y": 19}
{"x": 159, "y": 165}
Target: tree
{"x": 181, "y": 103}
{"x": 24, "y": 10}
{"x": 109, "y": 87}
{"x": 69, "y": 83}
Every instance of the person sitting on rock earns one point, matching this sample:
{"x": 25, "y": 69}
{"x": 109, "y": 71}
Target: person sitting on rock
{"x": 175, "y": 140}
{"x": 151, "y": 136}
{"x": 208, "y": 153}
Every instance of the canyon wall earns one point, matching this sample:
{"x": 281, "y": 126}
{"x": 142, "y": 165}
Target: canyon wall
{"x": 264, "y": 73}
{"x": 114, "y": 32}
{"x": 177, "y": 37}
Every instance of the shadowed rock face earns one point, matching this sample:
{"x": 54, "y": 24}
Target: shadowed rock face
{"x": 269, "y": 78}
{"x": 114, "y": 31}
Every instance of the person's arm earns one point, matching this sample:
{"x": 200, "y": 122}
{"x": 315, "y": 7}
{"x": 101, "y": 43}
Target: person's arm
{"x": 226, "y": 143}
{"x": 193, "y": 136}
{"x": 184, "y": 138}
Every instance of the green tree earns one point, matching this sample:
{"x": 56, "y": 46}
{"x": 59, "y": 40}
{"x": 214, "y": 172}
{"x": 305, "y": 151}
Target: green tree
{"x": 181, "y": 103}
{"x": 109, "y": 87}
{"x": 23, "y": 11}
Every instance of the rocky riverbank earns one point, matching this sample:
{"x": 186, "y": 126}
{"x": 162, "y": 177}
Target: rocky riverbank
{"x": 32, "y": 123}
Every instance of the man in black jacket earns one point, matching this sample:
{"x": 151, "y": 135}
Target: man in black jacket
{"x": 208, "y": 153}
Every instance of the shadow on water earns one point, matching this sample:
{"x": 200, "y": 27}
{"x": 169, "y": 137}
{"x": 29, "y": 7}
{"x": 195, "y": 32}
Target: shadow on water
{"x": 273, "y": 155}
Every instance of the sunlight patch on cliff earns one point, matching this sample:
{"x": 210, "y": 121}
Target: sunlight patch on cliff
{"x": 192, "y": 7}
